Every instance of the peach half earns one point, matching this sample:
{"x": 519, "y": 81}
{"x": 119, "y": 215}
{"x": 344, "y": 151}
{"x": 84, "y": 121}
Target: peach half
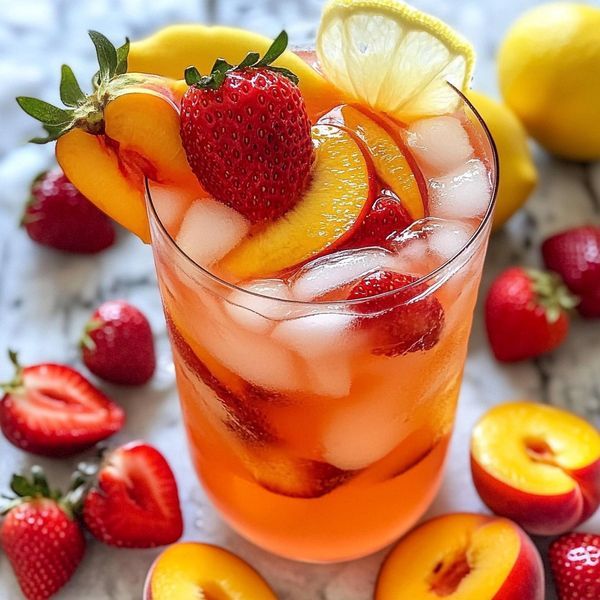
{"x": 463, "y": 557}
{"x": 192, "y": 571}
{"x": 537, "y": 465}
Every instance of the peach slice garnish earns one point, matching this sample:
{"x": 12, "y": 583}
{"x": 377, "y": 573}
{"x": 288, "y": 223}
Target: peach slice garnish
{"x": 341, "y": 191}
{"x": 537, "y": 465}
{"x": 191, "y": 570}
{"x": 463, "y": 557}
{"x": 393, "y": 161}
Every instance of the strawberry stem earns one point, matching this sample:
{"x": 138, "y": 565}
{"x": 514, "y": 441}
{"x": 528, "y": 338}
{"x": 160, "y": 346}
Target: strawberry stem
{"x": 221, "y": 67}
{"x": 17, "y": 384}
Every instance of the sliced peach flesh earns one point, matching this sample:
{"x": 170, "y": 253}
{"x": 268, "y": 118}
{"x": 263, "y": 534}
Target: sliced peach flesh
{"x": 189, "y": 571}
{"x": 392, "y": 160}
{"x": 534, "y": 448}
{"x": 341, "y": 191}
{"x": 141, "y": 140}
{"x": 462, "y": 556}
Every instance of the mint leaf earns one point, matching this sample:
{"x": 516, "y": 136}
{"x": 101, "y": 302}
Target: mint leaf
{"x": 70, "y": 92}
{"x": 106, "y": 53}
{"x": 122, "y": 55}
{"x": 45, "y": 112}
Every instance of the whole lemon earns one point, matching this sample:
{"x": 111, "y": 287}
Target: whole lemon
{"x": 518, "y": 175}
{"x": 549, "y": 69}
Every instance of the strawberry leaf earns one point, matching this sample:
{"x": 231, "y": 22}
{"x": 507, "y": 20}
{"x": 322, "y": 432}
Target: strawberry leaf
{"x": 21, "y": 486}
{"x": 276, "y": 49}
{"x": 122, "y": 56}
{"x": 250, "y": 60}
{"x": 106, "y": 53}
{"x": 70, "y": 92}
{"x": 45, "y": 112}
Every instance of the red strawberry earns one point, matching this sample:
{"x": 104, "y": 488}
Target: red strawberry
{"x": 575, "y": 563}
{"x": 52, "y": 410}
{"x": 60, "y": 216}
{"x": 40, "y": 536}
{"x": 118, "y": 345}
{"x": 525, "y": 314}
{"x": 575, "y": 255}
{"x": 136, "y": 503}
{"x": 405, "y": 326}
{"x": 386, "y": 218}
{"x": 246, "y": 134}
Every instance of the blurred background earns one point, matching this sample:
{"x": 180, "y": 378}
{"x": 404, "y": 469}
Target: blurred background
{"x": 46, "y": 297}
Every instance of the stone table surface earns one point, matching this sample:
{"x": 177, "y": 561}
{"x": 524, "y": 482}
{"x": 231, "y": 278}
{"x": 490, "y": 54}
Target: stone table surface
{"x": 46, "y": 297}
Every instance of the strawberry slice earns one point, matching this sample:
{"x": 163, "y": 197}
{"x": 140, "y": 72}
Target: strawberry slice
{"x": 52, "y": 410}
{"x": 135, "y": 503}
{"x": 400, "y": 324}
{"x": 386, "y": 218}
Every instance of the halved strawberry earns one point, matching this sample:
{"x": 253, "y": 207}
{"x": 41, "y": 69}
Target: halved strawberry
{"x": 407, "y": 321}
{"x": 135, "y": 503}
{"x": 52, "y": 410}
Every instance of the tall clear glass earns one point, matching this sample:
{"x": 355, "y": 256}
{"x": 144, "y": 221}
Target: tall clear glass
{"x": 327, "y": 451}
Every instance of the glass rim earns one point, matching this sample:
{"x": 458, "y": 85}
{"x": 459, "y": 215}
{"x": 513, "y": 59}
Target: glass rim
{"x": 413, "y": 285}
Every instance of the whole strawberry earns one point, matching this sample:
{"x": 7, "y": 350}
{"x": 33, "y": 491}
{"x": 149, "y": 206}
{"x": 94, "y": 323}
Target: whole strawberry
{"x": 575, "y": 563}
{"x": 246, "y": 134}
{"x": 399, "y": 324}
{"x": 52, "y": 410}
{"x": 575, "y": 255}
{"x": 59, "y": 216}
{"x": 135, "y": 503}
{"x": 118, "y": 344}
{"x": 526, "y": 314}
{"x": 41, "y": 536}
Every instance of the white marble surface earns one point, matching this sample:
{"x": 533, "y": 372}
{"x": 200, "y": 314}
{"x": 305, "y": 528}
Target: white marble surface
{"x": 45, "y": 297}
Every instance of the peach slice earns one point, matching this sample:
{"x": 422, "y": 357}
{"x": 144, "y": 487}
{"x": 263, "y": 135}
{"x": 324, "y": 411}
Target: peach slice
{"x": 191, "y": 571}
{"x": 463, "y": 557}
{"x": 537, "y": 465}
{"x": 341, "y": 191}
{"x": 170, "y": 50}
{"x": 393, "y": 161}
{"x": 140, "y": 139}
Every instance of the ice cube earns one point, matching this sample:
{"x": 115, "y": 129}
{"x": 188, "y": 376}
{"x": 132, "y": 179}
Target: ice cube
{"x": 331, "y": 378}
{"x": 316, "y": 335}
{"x": 449, "y": 238}
{"x": 465, "y": 193}
{"x": 440, "y": 143}
{"x": 257, "y": 313}
{"x": 337, "y": 270}
{"x": 210, "y": 230}
{"x": 171, "y": 203}
{"x": 365, "y": 431}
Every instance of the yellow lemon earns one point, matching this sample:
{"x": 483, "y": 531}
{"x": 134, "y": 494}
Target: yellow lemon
{"x": 392, "y": 57}
{"x": 549, "y": 69}
{"x": 518, "y": 175}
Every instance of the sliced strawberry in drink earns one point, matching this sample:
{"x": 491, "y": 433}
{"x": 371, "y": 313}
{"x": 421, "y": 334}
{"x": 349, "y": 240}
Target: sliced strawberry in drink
{"x": 402, "y": 322}
{"x": 52, "y": 410}
{"x": 135, "y": 503}
{"x": 386, "y": 219}
{"x": 244, "y": 418}
{"x": 280, "y": 473}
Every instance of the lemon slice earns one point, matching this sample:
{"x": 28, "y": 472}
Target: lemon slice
{"x": 392, "y": 57}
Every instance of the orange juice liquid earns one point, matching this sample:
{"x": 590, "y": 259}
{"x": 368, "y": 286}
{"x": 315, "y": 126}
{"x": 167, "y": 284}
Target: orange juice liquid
{"x": 317, "y": 456}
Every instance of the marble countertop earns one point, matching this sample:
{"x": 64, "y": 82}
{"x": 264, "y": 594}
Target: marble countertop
{"x": 46, "y": 297}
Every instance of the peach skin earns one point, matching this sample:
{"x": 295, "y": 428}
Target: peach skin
{"x": 537, "y": 465}
{"x": 191, "y": 570}
{"x": 463, "y": 557}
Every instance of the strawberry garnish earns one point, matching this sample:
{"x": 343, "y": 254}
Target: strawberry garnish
{"x": 40, "y": 534}
{"x": 575, "y": 563}
{"x": 399, "y": 323}
{"x": 118, "y": 344}
{"x": 526, "y": 314}
{"x": 135, "y": 503}
{"x": 575, "y": 255}
{"x": 52, "y": 410}
{"x": 386, "y": 219}
{"x": 246, "y": 134}
{"x": 60, "y": 216}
